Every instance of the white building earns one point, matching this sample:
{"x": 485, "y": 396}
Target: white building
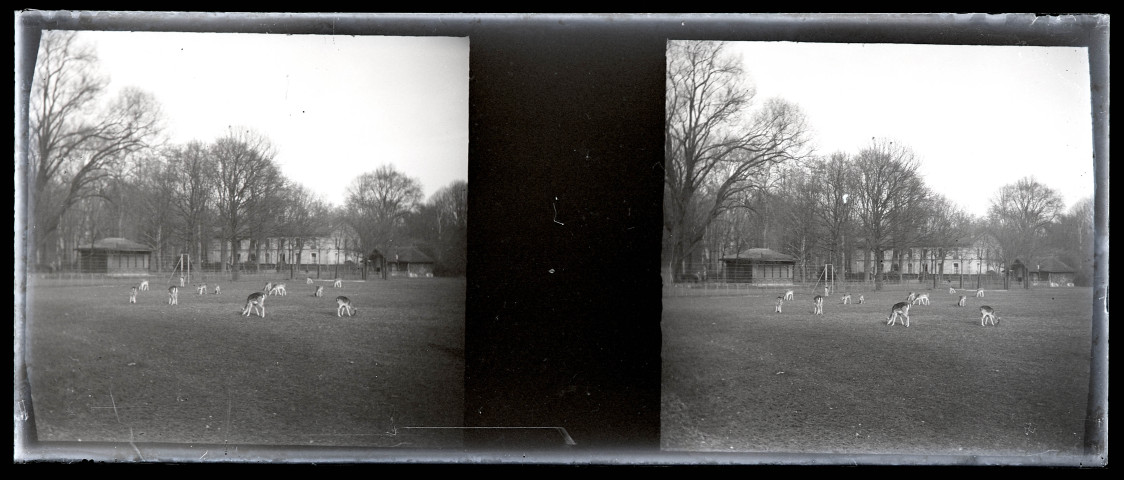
{"x": 979, "y": 257}
{"x": 328, "y": 249}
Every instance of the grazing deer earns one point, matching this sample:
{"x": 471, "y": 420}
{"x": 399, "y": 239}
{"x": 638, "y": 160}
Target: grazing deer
{"x": 826, "y": 291}
{"x": 979, "y": 293}
{"x": 319, "y": 291}
{"x": 899, "y": 310}
{"x": 963, "y": 301}
{"x": 343, "y": 303}
{"x": 779, "y": 303}
{"x": 268, "y": 287}
{"x": 308, "y": 280}
{"x": 911, "y": 297}
{"x": 338, "y": 283}
{"x": 144, "y": 285}
{"x": 817, "y": 305}
{"x": 217, "y": 290}
{"x": 133, "y": 295}
{"x": 202, "y": 289}
{"x": 922, "y": 299}
{"x": 788, "y": 295}
{"x": 861, "y": 299}
{"x": 173, "y": 295}
{"x": 256, "y": 299}
{"x": 846, "y": 299}
{"x": 951, "y": 291}
{"x": 987, "y": 313}
{"x": 182, "y": 279}
{"x": 278, "y": 290}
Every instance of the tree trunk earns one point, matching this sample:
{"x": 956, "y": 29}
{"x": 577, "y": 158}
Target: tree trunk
{"x": 878, "y": 255}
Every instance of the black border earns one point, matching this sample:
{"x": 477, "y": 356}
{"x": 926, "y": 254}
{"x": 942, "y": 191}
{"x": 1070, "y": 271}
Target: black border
{"x": 565, "y": 157}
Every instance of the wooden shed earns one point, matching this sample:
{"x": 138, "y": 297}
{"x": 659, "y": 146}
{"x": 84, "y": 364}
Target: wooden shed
{"x": 408, "y": 261}
{"x": 114, "y": 256}
{"x": 760, "y": 266}
{"x": 1052, "y": 272}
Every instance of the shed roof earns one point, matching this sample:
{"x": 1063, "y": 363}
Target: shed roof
{"x": 406, "y": 254}
{"x": 1054, "y": 265}
{"x": 761, "y": 254}
{"x": 116, "y": 244}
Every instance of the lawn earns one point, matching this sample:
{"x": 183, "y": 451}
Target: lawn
{"x": 104, "y": 370}
{"x": 738, "y": 377}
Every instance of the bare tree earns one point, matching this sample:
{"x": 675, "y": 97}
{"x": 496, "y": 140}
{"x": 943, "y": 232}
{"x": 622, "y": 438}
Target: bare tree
{"x": 832, "y": 208}
{"x": 303, "y": 216}
{"x": 1019, "y": 215}
{"x": 377, "y": 204}
{"x": 715, "y": 141}
{"x": 245, "y": 178}
{"x": 886, "y": 192}
{"x": 189, "y": 182}
{"x": 946, "y": 227}
{"x": 77, "y": 143}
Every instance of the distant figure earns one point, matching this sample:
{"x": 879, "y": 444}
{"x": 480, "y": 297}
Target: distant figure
{"x": 779, "y": 303}
{"x": 133, "y": 295}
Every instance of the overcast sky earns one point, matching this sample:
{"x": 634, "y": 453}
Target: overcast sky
{"x": 333, "y": 106}
{"x": 977, "y": 117}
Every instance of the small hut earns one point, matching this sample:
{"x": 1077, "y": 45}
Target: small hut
{"x": 1052, "y": 272}
{"x": 408, "y": 261}
{"x": 115, "y": 256}
{"x": 760, "y": 266}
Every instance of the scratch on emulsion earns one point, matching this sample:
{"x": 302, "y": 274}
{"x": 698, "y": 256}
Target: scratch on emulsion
{"x": 555, "y": 207}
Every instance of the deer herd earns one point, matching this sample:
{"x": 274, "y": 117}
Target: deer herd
{"x": 899, "y": 311}
{"x": 255, "y": 302}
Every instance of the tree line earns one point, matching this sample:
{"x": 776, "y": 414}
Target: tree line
{"x": 740, "y": 173}
{"x": 100, "y": 166}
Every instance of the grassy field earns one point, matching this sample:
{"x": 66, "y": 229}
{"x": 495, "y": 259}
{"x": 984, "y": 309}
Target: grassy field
{"x": 738, "y": 377}
{"x": 104, "y": 370}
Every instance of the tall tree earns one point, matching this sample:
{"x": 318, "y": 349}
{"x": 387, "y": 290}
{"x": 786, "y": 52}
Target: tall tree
{"x": 1070, "y": 239}
{"x": 378, "y": 203}
{"x": 887, "y": 192}
{"x": 946, "y": 227}
{"x": 716, "y": 140}
{"x": 77, "y": 139}
{"x": 189, "y": 181}
{"x": 833, "y": 206}
{"x": 246, "y": 178}
{"x": 1019, "y": 215}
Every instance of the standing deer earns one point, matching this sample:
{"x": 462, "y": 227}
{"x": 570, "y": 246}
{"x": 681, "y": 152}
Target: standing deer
{"x": 963, "y": 301}
{"x": 861, "y": 299}
{"x": 173, "y": 295}
{"x": 319, "y": 292}
{"x": 308, "y": 280}
{"x": 922, "y": 299}
{"x": 951, "y": 291}
{"x": 144, "y": 285}
{"x": 217, "y": 290}
{"x": 133, "y": 295}
{"x": 899, "y": 310}
{"x": 778, "y": 304}
{"x": 979, "y": 293}
{"x": 846, "y": 299}
{"x": 338, "y": 283}
{"x": 817, "y": 305}
{"x": 202, "y": 289}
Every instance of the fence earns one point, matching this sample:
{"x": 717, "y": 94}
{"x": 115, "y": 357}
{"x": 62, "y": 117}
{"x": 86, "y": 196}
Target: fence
{"x": 813, "y": 278}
